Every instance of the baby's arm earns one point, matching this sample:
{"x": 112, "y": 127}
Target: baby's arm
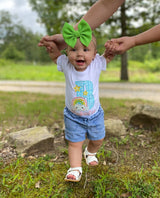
{"x": 54, "y": 53}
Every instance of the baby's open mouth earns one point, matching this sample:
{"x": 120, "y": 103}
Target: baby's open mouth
{"x": 80, "y": 61}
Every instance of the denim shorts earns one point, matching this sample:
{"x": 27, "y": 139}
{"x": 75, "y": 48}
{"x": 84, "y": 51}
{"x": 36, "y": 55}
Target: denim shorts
{"x": 77, "y": 128}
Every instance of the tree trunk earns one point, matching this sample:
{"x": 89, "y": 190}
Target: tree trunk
{"x": 124, "y": 67}
{"x": 124, "y": 61}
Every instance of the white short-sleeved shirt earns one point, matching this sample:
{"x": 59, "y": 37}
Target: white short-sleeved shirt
{"x": 82, "y": 88}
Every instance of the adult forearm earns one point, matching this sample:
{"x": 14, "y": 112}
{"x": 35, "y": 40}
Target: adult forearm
{"x": 101, "y": 11}
{"x": 149, "y": 36}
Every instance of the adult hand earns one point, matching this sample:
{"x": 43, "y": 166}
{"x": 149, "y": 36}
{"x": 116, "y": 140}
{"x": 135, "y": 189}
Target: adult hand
{"x": 119, "y": 45}
{"x": 48, "y": 40}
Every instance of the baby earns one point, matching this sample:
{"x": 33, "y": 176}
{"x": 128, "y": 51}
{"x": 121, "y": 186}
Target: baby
{"x": 83, "y": 114}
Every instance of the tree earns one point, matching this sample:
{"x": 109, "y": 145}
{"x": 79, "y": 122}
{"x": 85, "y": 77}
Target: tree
{"x": 51, "y": 13}
{"x": 14, "y": 36}
{"x": 12, "y": 53}
{"x": 132, "y": 18}
{"x": 124, "y": 61}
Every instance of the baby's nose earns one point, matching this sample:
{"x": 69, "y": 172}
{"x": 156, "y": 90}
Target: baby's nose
{"x": 79, "y": 52}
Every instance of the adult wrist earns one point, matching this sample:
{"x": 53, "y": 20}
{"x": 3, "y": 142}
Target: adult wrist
{"x": 134, "y": 41}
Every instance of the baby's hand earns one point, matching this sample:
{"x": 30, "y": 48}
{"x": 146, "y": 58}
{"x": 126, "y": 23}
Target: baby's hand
{"x": 51, "y": 47}
{"x": 110, "y": 50}
{"x": 57, "y": 39}
{"x": 45, "y": 43}
{"x": 111, "y": 47}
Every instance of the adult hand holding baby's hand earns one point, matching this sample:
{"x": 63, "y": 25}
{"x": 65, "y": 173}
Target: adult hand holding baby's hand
{"x": 120, "y": 45}
{"x": 47, "y": 41}
{"x": 111, "y": 50}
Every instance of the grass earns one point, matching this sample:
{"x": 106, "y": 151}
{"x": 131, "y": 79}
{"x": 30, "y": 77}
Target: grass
{"x": 25, "y": 71}
{"x": 147, "y": 72}
{"x": 129, "y": 167}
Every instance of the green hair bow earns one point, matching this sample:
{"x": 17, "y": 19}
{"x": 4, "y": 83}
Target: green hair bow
{"x": 84, "y": 33}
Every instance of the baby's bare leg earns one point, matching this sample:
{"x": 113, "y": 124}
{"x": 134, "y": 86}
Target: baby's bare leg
{"x": 93, "y": 147}
{"x": 75, "y": 156}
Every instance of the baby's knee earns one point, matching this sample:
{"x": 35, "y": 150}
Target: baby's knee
{"x": 96, "y": 142}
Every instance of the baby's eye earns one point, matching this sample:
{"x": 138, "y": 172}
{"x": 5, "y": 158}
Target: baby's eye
{"x": 73, "y": 49}
{"x": 85, "y": 50}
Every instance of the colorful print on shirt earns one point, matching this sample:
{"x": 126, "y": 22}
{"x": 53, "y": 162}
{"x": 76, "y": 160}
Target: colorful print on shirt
{"x": 84, "y": 100}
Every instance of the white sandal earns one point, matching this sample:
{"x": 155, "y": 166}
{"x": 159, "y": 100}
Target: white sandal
{"x": 90, "y": 157}
{"x": 77, "y": 172}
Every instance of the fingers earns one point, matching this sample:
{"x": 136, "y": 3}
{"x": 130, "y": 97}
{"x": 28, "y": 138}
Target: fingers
{"x": 111, "y": 47}
{"x": 45, "y": 39}
{"x": 45, "y": 43}
{"x": 117, "y": 40}
{"x": 124, "y": 43}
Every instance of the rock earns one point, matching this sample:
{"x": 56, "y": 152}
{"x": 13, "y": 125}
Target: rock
{"x": 115, "y": 127}
{"x": 145, "y": 116}
{"x": 56, "y": 126}
{"x": 32, "y": 141}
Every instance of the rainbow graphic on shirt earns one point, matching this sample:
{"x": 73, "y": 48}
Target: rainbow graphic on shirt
{"x": 79, "y": 104}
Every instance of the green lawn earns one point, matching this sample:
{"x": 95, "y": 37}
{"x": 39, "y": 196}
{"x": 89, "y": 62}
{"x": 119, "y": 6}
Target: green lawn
{"x": 147, "y": 72}
{"x": 128, "y": 167}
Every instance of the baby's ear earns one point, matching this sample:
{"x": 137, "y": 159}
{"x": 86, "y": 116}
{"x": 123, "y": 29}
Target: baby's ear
{"x": 95, "y": 52}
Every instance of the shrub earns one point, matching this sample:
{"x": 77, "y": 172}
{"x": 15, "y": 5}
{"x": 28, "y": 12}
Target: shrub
{"x": 152, "y": 65}
{"x": 12, "y": 53}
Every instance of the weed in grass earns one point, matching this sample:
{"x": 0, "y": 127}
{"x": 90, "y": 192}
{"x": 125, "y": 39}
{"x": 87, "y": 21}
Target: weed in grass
{"x": 106, "y": 186}
{"x": 115, "y": 140}
{"x": 48, "y": 157}
{"x": 125, "y": 154}
{"x": 156, "y": 170}
{"x": 132, "y": 156}
{"x": 140, "y": 188}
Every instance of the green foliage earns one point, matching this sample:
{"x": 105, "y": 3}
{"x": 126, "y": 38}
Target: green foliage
{"x": 152, "y": 65}
{"x": 52, "y": 14}
{"x": 23, "y": 42}
{"x": 139, "y": 188}
{"x": 136, "y": 20}
{"x": 103, "y": 186}
{"x": 12, "y": 53}
{"x": 144, "y": 52}
{"x": 111, "y": 187}
{"x": 4, "y": 62}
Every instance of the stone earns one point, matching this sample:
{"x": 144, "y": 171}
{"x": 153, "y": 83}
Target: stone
{"x": 115, "y": 127}
{"x": 145, "y": 116}
{"x": 56, "y": 126}
{"x": 32, "y": 141}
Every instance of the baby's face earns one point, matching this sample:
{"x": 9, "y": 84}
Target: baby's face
{"x": 81, "y": 56}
